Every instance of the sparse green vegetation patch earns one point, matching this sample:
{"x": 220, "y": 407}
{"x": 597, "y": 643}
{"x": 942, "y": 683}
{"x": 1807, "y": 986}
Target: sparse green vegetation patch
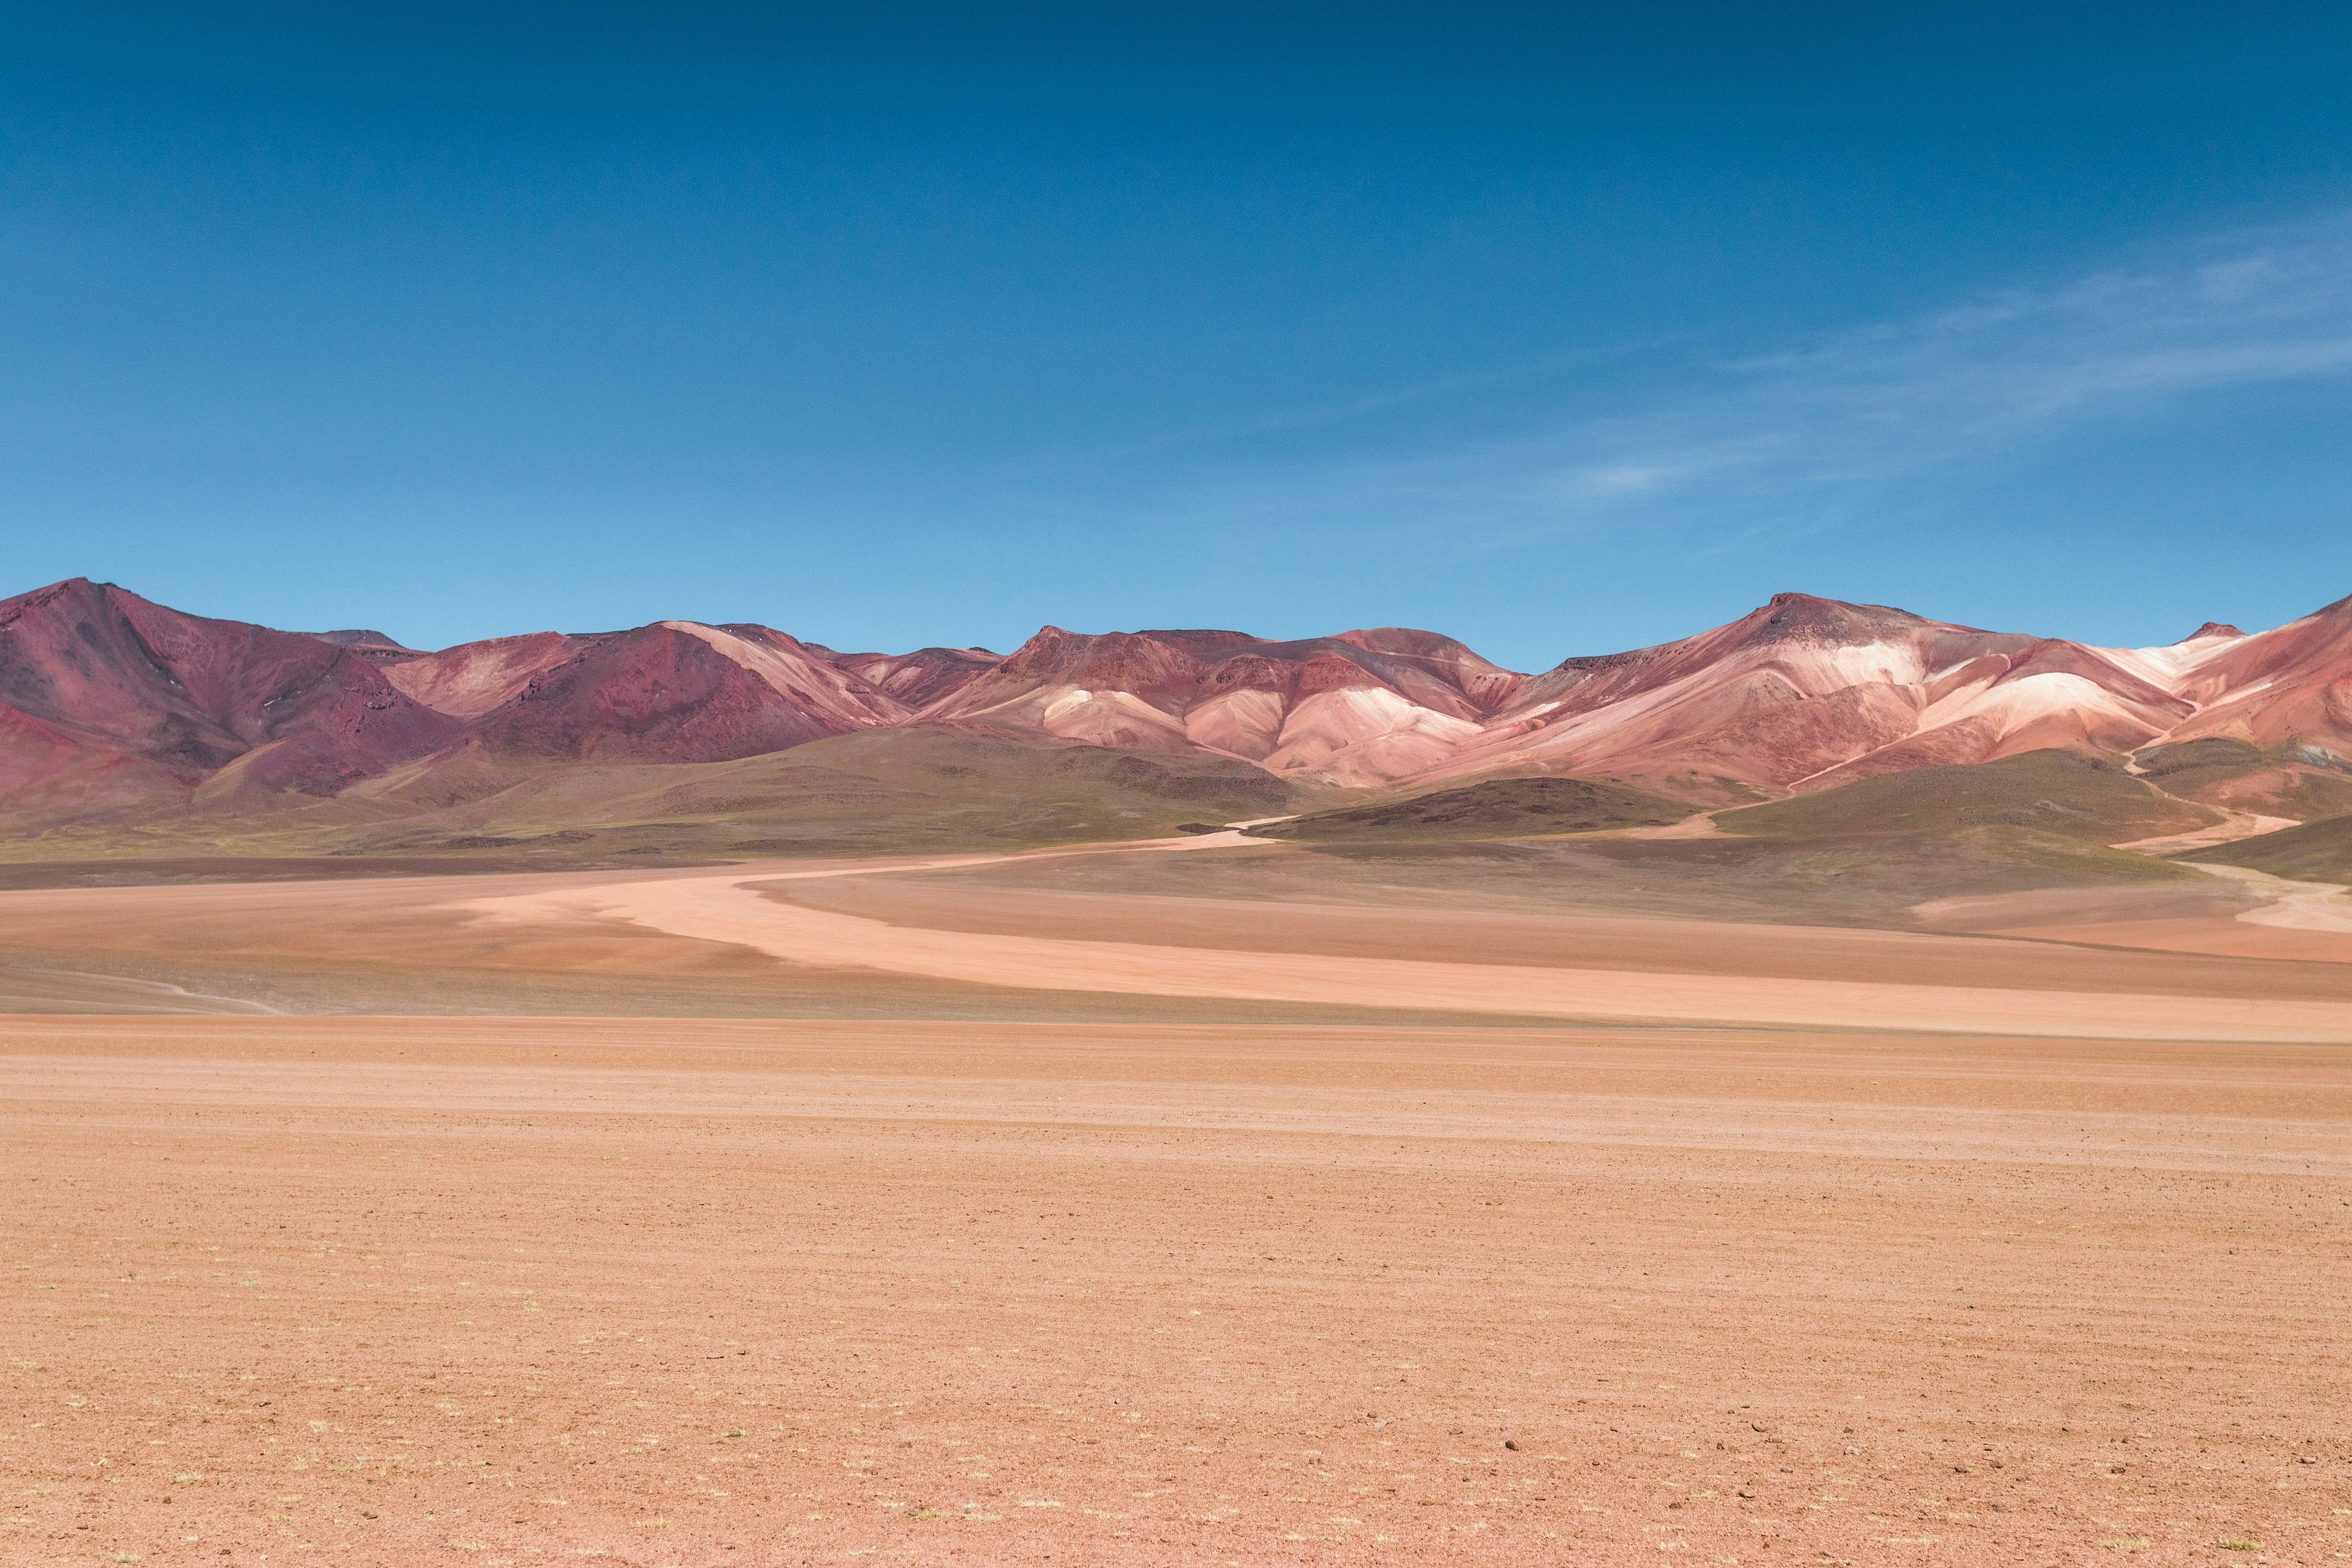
{"x": 1833, "y": 880}
{"x": 2291, "y": 778}
{"x": 1499, "y": 808}
{"x": 2066, "y": 794}
{"x": 915, "y": 789}
{"x": 2316, "y": 852}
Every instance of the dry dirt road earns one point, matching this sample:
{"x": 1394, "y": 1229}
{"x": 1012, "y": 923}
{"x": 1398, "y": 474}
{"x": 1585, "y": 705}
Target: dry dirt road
{"x": 761, "y": 913}
{"x": 653, "y": 1290}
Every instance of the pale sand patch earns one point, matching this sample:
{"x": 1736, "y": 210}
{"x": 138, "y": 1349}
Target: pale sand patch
{"x": 2233, "y": 826}
{"x": 2217, "y": 937}
{"x": 1698, "y": 826}
{"x": 72, "y": 991}
{"x": 2300, "y": 922}
{"x": 2296, "y": 906}
{"x": 731, "y": 909}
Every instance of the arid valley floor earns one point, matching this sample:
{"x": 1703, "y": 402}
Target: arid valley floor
{"x": 1209, "y": 1203}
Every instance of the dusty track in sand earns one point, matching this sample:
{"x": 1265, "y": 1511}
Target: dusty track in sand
{"x": 1277, "y": 935}
{"x": 733, "y": 909}
{"x": 2293, "y": 906}
{"x": 2310, "y": 923}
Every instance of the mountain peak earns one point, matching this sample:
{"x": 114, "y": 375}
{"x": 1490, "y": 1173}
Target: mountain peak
{"x": 361, "y": 636}
{"x": 1807, "y": 617}
{"x": 79, "y": 590}
{"x": 1111, "y": 659}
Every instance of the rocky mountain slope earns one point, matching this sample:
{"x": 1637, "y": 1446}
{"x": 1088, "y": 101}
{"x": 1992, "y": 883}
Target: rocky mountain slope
{"x": 118, "y": 711}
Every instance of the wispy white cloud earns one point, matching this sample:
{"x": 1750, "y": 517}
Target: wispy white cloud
{"x": 1433, "y": 390}
{"x": 1815, "y": 425}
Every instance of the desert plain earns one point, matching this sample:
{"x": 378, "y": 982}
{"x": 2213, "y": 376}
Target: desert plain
{"x": 1206, "y": 1201}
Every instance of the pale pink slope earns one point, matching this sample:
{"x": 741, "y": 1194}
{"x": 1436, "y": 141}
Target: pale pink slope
{"x": 1798, "y": 686}
{"x": 2293, "y": 682}
{"x": 1362, "y": 708}
{"x": 1807, "y": 693}
{"x": 672, "y": 692}
{"x": 2056, "y": 694}
{"x": 473, "y": 679}
{"x": 807, "y": 677}
{"x": 921, "y": 677}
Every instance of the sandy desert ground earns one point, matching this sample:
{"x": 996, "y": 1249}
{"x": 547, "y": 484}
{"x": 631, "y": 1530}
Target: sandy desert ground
{"x": 751, "y": 1216}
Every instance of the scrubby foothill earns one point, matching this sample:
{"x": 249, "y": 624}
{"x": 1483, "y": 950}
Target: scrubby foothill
{"x": 1500, "y": 808}
{"x": 2063, "y": 793}
{"x": 2316, "y": 851}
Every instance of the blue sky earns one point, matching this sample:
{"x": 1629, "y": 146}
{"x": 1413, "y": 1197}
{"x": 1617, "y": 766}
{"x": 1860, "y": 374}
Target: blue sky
{"x": 1559, "y": 329}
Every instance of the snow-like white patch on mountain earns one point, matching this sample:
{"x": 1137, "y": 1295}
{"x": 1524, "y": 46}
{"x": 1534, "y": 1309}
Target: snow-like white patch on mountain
{"x": 1365, "y": 735}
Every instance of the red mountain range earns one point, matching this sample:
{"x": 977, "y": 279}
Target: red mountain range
{"x": 110, "y": 703}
